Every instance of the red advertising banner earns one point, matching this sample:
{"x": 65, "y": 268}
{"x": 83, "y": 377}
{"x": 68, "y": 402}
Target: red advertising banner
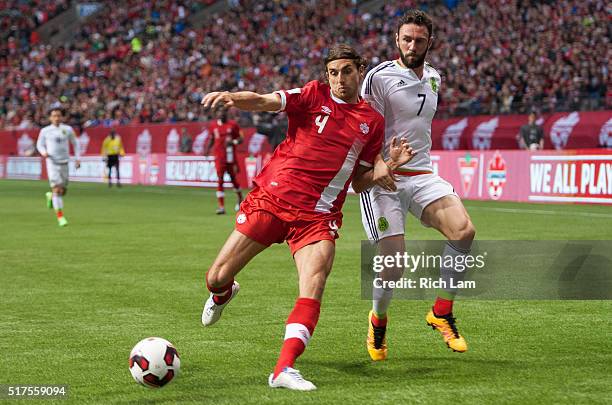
{"x": 140, "y": 139}
{"x": 575, "y": 130}
{"x": 575, "y": 176}
{"x": 572, "y": 130}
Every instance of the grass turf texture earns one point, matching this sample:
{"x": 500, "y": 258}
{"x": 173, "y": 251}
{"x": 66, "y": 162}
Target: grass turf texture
{"x": 131, "y": 265}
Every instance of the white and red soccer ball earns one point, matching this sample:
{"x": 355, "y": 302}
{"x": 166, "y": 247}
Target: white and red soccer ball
{"x": 154, "y": 362}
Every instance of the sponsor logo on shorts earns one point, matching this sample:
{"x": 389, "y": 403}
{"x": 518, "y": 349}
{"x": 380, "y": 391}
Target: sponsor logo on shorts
{"x": 241, "y": 218}
{"x": 334, "y": 228}
{"x": 496, "y": 176}
{"x": 383, "y": 224}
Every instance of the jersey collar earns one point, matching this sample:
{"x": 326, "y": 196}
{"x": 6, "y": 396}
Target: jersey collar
{"x": 340, "y": 101}
{"x": 410, "y": 71}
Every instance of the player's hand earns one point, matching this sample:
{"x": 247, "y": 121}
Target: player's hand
{"x": 45, "y": 155}
{"x": 217, "y": 98}
{"x": 77, "y": 164}
{"x": 400, "y": 152}
{"x": 383, "y": 176}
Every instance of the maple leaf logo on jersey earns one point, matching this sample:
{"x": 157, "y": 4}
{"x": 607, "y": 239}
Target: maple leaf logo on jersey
{"x": 364, "y": 128}
{"x": 496, "y": 175}
{"x": 326, "y": 109}
{"x": 434, "y": 84}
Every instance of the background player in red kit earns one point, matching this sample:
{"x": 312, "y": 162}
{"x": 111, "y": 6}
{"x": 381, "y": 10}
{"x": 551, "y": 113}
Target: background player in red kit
{"x": 333, "y": 137}
{"x": 224, "y": 136}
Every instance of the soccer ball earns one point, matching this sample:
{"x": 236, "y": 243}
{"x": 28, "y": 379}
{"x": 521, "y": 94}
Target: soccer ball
{"x": 154, "y": 362}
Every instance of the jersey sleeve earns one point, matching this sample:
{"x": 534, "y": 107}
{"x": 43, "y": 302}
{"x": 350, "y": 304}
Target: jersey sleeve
{"x": 235, "y": 130}
{"x": 75, "y": 143}
{"x": 104, "y": 146}
{"x": 372, "y": 91}
{"x": 374, "y": 145}
{"x": 41, "y": 144}
{"x": 298, "y": 99}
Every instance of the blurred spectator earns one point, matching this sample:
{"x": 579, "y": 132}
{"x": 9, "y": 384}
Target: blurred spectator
{"x": 186, "y": 142}
{"x": 145, "y": 61}
{"x": 532, "y": 135}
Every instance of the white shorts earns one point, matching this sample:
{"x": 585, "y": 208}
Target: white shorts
{"x": 383, "y": 213}
{"x": 57, "y": 173}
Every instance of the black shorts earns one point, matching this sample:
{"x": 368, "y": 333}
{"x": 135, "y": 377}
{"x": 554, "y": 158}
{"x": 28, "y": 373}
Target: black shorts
{"x": 112, "y": 160}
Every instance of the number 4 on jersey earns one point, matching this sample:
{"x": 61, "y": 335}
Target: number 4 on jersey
{"x": 320, "y": 122}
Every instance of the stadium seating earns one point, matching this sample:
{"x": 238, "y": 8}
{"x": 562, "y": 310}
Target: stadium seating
{"x": 133, "y": 63}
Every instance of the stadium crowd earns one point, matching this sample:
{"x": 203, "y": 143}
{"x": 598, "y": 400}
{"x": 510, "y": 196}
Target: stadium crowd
{"x": 142, "y": 62}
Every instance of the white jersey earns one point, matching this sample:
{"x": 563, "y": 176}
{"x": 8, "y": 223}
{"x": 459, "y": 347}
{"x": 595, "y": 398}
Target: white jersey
{"x": 54, "y": 140}
{"x": 408, "y": 105}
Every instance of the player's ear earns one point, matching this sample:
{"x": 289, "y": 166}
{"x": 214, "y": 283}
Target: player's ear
{"x": 431, "y": 40}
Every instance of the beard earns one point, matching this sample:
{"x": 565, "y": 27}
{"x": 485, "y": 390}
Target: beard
{"x": 417, "y": 62}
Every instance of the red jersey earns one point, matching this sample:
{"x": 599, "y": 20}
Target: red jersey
{"x": 224, "y": 133}
{"x": 326, "y": 140}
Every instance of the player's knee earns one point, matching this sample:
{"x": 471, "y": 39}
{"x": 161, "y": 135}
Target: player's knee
{"x": 219, "y": 274}
{"x": 466, "y": 232}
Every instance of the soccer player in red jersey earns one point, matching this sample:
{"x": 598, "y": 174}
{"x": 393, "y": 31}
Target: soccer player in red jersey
{"x": 333, "y": 137}
{"x": 224, "y": 136}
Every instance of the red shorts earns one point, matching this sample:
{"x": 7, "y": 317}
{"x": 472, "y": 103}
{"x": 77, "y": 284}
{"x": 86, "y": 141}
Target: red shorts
{"x": 262, "y": 218}
{"x": 221, "y": 166}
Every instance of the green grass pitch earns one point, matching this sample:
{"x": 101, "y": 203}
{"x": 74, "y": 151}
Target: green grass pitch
{"x": 74, "y": 301}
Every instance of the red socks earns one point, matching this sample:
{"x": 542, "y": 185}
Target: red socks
{"x": 379, "y": 323}
{"x": 59, "y": 214}
{"x": 220, "y": 197}
{"x": 220, "y": 294}
{"x": 442, "y": 307}
{"x": 298, "y": 331}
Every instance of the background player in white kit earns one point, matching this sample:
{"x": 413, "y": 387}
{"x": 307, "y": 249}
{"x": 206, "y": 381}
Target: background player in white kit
{"x": 405, "y": 91}
{"x": 53, "y": 144}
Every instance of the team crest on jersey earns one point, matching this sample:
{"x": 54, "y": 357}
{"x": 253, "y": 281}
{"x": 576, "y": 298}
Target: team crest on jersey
{"x": 383, "y": 224}
{"x": 241, "y": 218}
{"x": 364, "y": 128}
{"x": 434, "y": 84}
{"x": 326, "y": 109}
{"x": 496, "y": 176}
{"x": 467, "y": 170}
{"x": 64, "y": 132}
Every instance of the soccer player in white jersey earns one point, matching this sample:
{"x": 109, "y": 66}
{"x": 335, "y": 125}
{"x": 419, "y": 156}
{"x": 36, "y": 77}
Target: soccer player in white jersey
{"x": 53, "y": 144}
{"x": 405, "y": 91}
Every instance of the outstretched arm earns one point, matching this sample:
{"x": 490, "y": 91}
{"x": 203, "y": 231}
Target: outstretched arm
{"x": 400, "y": 153}
{"x": 243, "y": 100}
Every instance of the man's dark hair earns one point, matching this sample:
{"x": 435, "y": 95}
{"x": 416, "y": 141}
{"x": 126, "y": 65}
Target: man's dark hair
{"x": 344, "y": 51}
{"x": 61, "y": 110}
{"x": 416, "y": 17}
